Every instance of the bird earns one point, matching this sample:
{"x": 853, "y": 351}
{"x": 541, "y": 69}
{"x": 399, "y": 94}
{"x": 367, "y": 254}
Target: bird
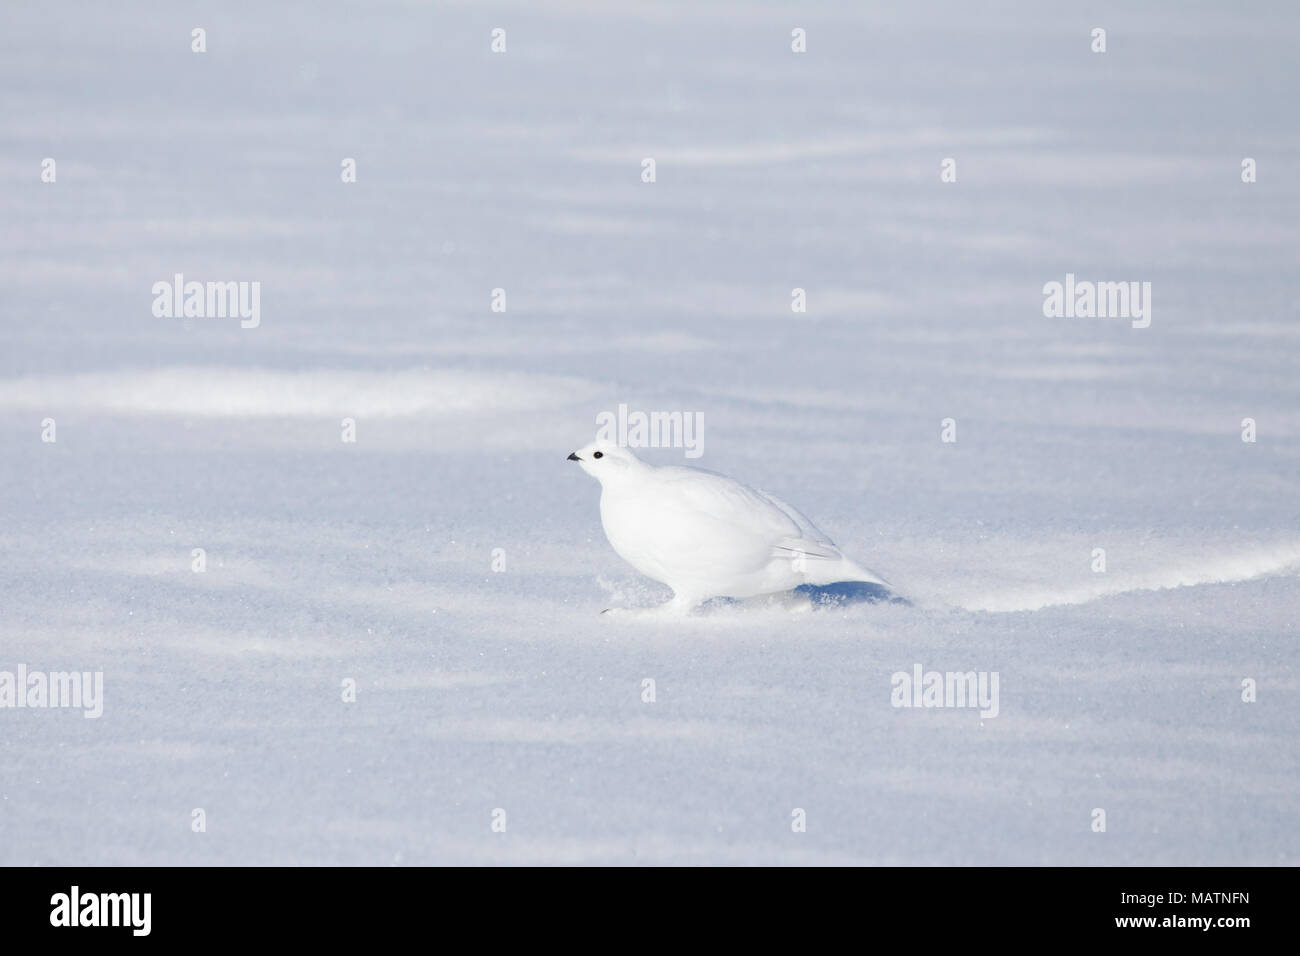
{"x": 706, "y": 535}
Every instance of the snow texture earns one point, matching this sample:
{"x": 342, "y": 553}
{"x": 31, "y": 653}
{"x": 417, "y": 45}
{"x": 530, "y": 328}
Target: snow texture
{"x": 373, "y": 561}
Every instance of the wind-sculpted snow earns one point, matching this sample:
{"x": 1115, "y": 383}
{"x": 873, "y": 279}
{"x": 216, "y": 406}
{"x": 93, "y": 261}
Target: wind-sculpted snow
{"x": 355, "y": 651}
{"x": 205, "y": 391}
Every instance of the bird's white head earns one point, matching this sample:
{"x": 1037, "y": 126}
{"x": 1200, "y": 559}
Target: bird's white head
{"x": 606, "y": 461}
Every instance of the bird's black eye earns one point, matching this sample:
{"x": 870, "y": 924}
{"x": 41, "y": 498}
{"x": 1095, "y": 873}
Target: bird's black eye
{"x": 599, "y": 454}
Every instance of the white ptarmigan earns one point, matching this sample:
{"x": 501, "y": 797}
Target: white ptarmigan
{"x": 706, "y": 535}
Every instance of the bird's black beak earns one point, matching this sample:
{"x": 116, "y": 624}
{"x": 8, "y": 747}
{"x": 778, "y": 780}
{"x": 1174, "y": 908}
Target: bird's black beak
{"x": 573, "y": 456}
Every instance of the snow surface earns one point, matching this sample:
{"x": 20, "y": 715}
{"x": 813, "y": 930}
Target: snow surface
{"x": 480, "y": 690}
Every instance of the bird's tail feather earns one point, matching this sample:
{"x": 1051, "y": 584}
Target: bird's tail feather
{"x": 823, "y": 564}
{"x": 845, "y": 570}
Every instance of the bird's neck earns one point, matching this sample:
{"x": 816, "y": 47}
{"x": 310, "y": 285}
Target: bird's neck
{"x": 628, "y": 477}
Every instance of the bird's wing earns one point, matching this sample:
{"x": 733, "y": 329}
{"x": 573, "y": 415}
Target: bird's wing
{"x": 818, "y": 551}
{"x": 753, "y": 521}
{"x": 810, "y": 541}
{"x": 726, "y": 500}
{"x": 749, "y": 510}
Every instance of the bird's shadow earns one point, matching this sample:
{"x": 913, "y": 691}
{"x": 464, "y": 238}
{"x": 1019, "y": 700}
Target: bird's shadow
{"x": 845, "y": 593}
{"x": 841, "y": 594}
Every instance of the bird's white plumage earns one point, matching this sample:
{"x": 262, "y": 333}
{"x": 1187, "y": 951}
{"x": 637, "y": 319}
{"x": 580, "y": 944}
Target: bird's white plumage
{"x": 706, "y": 535}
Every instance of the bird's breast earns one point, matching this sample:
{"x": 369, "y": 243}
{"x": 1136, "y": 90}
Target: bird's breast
{"x": 640, "y": 534}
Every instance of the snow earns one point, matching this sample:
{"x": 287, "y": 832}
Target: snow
{"x": 372, "y": 561}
